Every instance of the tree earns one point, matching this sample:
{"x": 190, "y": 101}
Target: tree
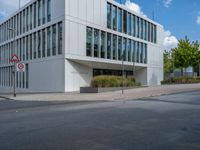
{"x": 168, "y": 63}
{"x": 186, "y": 54}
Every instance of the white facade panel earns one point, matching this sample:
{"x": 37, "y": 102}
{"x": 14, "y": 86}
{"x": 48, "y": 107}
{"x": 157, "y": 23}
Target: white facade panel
{"x": 77, "y": 75}
{"x": 90, "y": 11}
{"x": 82, "y": 4}
{"x": 47, "y": 76}
{"x": 74, "y": 9}
{"x": 72, "y": 69}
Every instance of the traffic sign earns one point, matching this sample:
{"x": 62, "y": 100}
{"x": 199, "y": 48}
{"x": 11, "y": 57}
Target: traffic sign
{"x": 15, "y": 58}
{"x": 20, "y": 67}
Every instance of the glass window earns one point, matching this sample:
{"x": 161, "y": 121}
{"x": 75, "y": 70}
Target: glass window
{"x": 43, "y": 43}
{"x": 26, "y": 50}
{"x": 141, "y": 28}
{"x": 31, "y": 15}
{"x": 108, "y": 46}
{"x": 96, "y": 43}
{"x": 129, "y": 50}
{"x": 48, "y": 10}
{"x": 48, "y": 41}
{"x": 24, "y": 23}
{"x": 89, "y": 42}
{"x": 60, "y": 38}
{"x": 152, "y": 33}
{"x": 141, "y": 53}
{"x": 114, "y": 47}
{"x": 124, "y": 21}
{"x": 138, "y": 52}
{"x": 145, "y": 30}
{"x": 133, "y": 25}
{"x": 34, "y": 46}
{"x": 145, "y": 51}
{"x": 103, "y": 44}
{"x": 35, "y": 15}
{"x": 149, "y": 33}
{"x": 54, "y": 40}
{"x": 39, "y": 45}
{"x": 21, "y": 22}
{"x": 39, "y": 12}
{"x": 27, "y": 19}
{"x": 155, "y": 34}
{"x": 133, "y": 51}
{"x": 129, "y": 23}
{"x": 119, "y": 20}
{"x": 114, "y": 17}
{"x": 43, "y": 11}
{"x": 124, "y": 49}
{"x": 22, "y": 49}
{"x": 119, "y": 48}
{"x": 136, "y": 26}
{"x": 31, "y": 47}
{"x": 109, "y": 15}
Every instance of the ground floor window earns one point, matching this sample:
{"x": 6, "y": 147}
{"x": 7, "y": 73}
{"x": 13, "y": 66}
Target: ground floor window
{"x": 7, "y": 77}
{"x": 97, "y": 72}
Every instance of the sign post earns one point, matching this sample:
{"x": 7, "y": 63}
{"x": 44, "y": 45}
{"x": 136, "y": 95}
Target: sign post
{"x": 14, "y": 59}
{"x": 20, "y": 67}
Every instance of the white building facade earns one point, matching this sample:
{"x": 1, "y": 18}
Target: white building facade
{"x": 65, "y": 43}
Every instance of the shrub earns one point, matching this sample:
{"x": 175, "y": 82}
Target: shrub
{"x": 181, "y": 80}
{"x": 112, "y": 81}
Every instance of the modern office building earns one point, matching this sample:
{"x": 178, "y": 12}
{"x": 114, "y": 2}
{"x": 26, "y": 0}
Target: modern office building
{"x": 64, "y": 43}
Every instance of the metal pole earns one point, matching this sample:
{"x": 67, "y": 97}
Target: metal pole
{"x": 123, "y": 74}
{"x": 14, "y": 67}
{"x": 14, "y": 80}
{"x": 199, "y": 70}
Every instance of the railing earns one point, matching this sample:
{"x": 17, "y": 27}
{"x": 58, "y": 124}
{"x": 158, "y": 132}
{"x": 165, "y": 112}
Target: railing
{"x": 180, "y": 74}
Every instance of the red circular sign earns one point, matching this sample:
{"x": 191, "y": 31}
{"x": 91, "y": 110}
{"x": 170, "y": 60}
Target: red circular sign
{"x": 20, "y": 66}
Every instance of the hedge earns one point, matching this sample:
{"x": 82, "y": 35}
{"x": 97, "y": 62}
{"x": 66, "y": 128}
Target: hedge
{"x": 181, "y": 80}
{"x": 112, "y": 81}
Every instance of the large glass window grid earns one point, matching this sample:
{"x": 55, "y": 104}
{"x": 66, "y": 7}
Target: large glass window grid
{"x": 35, "y": 45}
{"x": 30, "y": 17}
{"x": 130, "y": 24}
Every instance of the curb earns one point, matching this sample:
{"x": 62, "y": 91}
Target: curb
{"x": 6, "y": 98}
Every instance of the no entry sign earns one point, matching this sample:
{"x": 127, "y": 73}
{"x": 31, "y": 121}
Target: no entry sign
{"x": 20, "y": 67}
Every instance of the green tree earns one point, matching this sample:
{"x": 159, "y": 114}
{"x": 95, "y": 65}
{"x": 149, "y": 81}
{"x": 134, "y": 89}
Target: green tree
{"x": 168, "y": 63}
{"x": 186, "y": 54}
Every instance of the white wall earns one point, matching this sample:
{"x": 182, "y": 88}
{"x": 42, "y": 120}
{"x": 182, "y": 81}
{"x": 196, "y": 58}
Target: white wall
{"x": 76, "y": 75}
{"x": 155, "y": 59}
{"x": 47, "y": 75}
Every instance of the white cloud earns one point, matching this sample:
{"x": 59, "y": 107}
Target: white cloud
{"x": 170, "y": 41}
{"x": 134, "y": 7}
{"x": 8, "y": 7}
{"x": 198, "y": 20}
{"x": 167, "y": 3}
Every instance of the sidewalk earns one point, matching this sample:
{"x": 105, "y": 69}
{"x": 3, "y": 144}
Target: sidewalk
{"x": 108, "y": 96}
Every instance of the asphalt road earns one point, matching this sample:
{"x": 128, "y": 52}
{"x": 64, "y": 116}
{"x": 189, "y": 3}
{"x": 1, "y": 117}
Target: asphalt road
{"x": 170, "y": 122}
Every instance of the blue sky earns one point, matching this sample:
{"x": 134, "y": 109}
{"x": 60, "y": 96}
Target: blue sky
{"x": 179, "y": 16}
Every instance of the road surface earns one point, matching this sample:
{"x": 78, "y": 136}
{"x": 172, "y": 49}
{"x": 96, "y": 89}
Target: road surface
{"x": 170, "y": 122}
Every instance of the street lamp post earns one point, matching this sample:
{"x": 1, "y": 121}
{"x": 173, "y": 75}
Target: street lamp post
{"x": 122, "y": 57}
{"x": 14, "y": 71}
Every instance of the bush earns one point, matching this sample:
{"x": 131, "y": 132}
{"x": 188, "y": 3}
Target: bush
{"x": 181, "y": 80}
{"x": 112, "y": 81}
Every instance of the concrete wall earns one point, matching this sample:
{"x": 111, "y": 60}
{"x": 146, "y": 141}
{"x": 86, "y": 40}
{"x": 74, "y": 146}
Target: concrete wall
{"x": 47, "y": 75}
{"x": 76, "y": 75}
